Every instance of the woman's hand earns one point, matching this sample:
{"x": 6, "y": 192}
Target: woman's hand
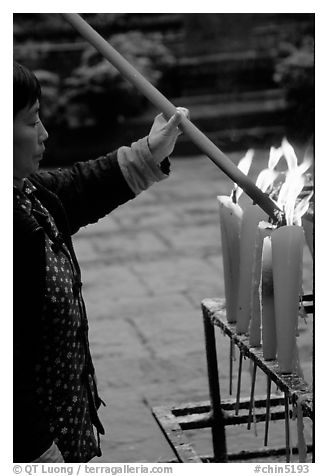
{"x": 163, "y": 134}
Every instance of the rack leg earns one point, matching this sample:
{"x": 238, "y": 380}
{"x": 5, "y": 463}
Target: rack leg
{"x": 267, "y": 414}
{"x": 239, "y": 381}
{"x": 231, "y": 366}
{"x": 251, "y": 401}
{"x": 287, "y": 429}
{"x": 218, "y": 430}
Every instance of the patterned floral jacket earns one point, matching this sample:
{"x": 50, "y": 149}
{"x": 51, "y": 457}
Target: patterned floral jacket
{"x": 55, "y": 394}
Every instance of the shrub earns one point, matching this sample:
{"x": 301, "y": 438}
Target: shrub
{"x": 84, "y": 89}
{"x": 96, "y": 93}
{"x": 294, "y": 72}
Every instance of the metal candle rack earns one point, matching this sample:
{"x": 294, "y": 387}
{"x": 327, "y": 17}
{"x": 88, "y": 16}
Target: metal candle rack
{"x": 217, "y": 414}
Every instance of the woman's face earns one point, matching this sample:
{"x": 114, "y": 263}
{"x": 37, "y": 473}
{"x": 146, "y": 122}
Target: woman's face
{"x": 29, "y": 136}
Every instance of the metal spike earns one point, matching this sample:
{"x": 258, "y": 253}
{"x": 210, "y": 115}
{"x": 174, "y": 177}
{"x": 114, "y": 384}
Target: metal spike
{"x": 251, "y": 401}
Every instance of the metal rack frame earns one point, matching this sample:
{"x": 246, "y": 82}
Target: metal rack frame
{"x": 216, "y": 414}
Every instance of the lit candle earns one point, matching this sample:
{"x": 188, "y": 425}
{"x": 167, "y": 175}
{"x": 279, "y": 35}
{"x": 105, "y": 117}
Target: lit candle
{"x": 230, "y": 223}
{"x": 264, "y": 229}
{"x": 269, "y": 339}
{"x": 251, "y": 217}
{"x": 287, "y": 259}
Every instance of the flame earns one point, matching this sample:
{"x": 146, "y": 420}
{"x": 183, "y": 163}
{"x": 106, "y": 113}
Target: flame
{"x": 289, "y": 154}
{"x": 301, "y": 208}
{"x": 293, "y": 185}
{"x": 243, "y": 165}
{"x": 286, "y": 193}
{"x": 274, "y": 157}
{"x": 267, "y": 176}
{"x": 246, "y": 162}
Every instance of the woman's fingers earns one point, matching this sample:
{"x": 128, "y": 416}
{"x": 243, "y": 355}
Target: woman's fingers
{"x": 175, "y": 120}
{"x": 184, "y": 111}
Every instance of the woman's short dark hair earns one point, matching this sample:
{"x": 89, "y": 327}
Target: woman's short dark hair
{"x": 27, "y": 88}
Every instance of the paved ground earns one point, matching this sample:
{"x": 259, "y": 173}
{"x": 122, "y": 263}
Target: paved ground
{"x": 146, "y": 269}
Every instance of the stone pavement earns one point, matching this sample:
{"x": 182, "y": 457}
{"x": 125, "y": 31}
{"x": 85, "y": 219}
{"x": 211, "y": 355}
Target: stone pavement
{"x": 145, "y": 270}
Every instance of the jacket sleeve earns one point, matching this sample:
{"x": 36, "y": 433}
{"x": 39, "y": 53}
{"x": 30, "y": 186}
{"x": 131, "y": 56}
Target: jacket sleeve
{"x": 31, "y": 426}
{"x": 89, "y": 190}
{"x": 139, "y": 167}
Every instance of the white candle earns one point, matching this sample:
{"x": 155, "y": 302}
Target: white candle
{"x": 287, "y": 258}
{"x": 269, "y": 339}
{"x": 230, "y": 223}
{"x": 251, "y": 217}
{"x": 264, "y": 229}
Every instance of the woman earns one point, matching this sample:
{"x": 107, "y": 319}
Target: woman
{"x": 55, "y": 392}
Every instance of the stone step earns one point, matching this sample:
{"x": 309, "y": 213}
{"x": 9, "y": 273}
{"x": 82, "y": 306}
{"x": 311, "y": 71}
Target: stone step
{"x": 210, "y": 98}
{"x": 228, "y": 120}
{"x": 233, "y": 122}
{"x": 221, "y": 107}
{"x": 243, "y": 70}
{"x": 232, "y": 140}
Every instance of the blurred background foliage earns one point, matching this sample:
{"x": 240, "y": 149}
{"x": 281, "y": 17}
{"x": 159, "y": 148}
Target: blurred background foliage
{"x": 294, "y": 73}
{"x": 95, "y": 83}
{"x": 247, "y": 78}
{"x": 93, "y": 91}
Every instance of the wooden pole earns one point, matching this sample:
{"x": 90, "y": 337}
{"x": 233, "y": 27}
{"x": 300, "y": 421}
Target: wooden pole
{"x": 168, "y": 109}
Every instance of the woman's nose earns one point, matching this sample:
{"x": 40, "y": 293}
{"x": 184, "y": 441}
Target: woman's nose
{"x": 43, "y": 134}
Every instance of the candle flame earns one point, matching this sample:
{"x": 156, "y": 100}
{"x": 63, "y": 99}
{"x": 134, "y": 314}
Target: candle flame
{"x": 243, "y": 165}
{"x": 293, "y": 185}
{"x": 289, "y": 154}
{"x": 285, "y": 187}
{"x": 288, "y": 195}
{"x": 246, "y": 162}
{"x": 274, "y": 157}
{"x": 301, "y": 208}
{"x": 267, "y": 176}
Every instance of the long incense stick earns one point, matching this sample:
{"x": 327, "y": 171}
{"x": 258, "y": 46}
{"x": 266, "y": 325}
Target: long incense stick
{"x": 168, "y": 109}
